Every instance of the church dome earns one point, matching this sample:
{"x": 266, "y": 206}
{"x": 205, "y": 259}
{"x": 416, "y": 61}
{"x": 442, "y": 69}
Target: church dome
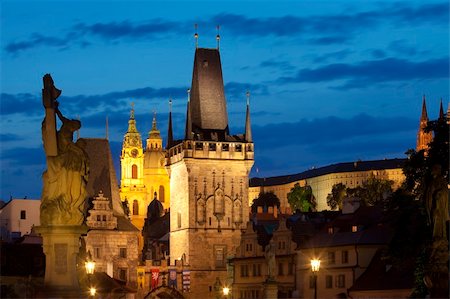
{"x": 154, "y": 159}
{"x": 155, "y": 209}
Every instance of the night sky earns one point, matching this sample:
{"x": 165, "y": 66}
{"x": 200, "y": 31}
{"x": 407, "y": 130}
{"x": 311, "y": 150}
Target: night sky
{"x": 330, "y": 81}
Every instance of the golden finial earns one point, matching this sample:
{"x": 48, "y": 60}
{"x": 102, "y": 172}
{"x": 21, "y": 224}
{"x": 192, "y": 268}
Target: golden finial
{"x": 196, "y": 36}
{"x": 132, "y": 110}
{"x": 218, "y": 37}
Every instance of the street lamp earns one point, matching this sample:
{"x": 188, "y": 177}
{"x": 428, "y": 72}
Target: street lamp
{"x": 226, "y": 291}
{"x": 90, "y": 268}
{"x": 92, "y": 291}
{"x": 315, "y": 266}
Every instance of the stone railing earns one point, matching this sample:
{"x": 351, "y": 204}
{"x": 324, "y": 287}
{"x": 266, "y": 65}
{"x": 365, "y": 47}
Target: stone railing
{"x": 211, "y": 150}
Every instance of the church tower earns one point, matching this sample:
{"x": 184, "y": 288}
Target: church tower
{"x": 209, "y": 171}
{"x": 423, "y": 138}
{"x": 156, "y": 178}
{"x": 132, "y": 187}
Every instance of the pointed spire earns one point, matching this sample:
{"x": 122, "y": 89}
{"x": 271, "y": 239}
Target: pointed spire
{"x": 441, "y": 112}
{"x": 248, "y": 129}
{"x": 424, "y": 116}
{"x": 107, "y": 128}
{"x": 132, "y": 122}
{"x": 188, "y": 134}
{"x": 218, "y": 37}
{"x": 169, "y": 130}
{"x": 196, "y": 36}
{"x": 154, "y": 121}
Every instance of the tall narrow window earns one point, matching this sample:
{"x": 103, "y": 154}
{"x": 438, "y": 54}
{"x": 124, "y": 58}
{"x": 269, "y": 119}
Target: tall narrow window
{"x": 23, "y": 214}
{"x": 179, "y": 219}
{"x": 134, "y": 171}
{"x": 135, "y": 207}
{"x": 161, "y": 193}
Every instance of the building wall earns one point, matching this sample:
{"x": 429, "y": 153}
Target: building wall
{"x": 208, "y": 211}
{"x": 104, "y": 246}
{"x": 359, "y": 258}
{"x": 10, "y": 215}
{"x": 322, "y": 185}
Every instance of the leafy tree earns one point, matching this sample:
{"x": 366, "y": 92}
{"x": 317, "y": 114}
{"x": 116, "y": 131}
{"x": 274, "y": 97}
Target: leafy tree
{"x": 302, "y": 198}
{"x": 265, "y": 199}
{"x": 374, "y": 191}
{"x": 337, "y": 195}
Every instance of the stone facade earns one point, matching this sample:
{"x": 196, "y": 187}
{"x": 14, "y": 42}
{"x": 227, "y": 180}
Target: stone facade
{"x": 112, "y": 242}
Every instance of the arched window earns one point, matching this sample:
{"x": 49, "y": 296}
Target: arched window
{"x": 161, "y": 193}
{"x": 134, "y": 171}
{"x": 135, "y": 207}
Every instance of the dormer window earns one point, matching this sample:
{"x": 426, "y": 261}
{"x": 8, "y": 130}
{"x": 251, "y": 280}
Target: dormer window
{"x": 354, "y": 228}
{"x": 330, "y": 230}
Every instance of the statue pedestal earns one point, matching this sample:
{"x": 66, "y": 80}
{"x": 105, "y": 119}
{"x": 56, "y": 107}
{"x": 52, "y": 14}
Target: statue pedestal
{"x": 270, "y": 289}
{"x": 61, "y": 245}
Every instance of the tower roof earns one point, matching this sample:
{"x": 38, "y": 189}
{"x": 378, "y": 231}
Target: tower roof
{"x": 132, "y": 137}
{"x": 424, "y": 116}
{"x": 154, "y": 132}
{"x": 207, "y": 104}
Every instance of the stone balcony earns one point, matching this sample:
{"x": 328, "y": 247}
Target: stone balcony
{"x": 210, "y": 150}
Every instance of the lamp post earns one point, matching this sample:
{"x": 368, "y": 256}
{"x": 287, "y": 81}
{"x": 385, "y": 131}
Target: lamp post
{"x": 315, "y": 265}
{"x": 225, "y": 291}
{"x": 90, "y": 268}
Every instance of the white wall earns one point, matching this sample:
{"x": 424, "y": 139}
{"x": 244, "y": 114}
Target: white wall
{"x": 10, "y": 219}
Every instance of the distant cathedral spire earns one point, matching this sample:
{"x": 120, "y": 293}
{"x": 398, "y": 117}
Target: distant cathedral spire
{"x": 423, "y": 137}
{"x": 441, "y": 112}
{"x": 132, "y": 122}
{"x": 248, "y": 129}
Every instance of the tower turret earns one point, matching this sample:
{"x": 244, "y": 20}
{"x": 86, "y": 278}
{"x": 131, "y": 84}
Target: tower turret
{"x": 423, "y": 137}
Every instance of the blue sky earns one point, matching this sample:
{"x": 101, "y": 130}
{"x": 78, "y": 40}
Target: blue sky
{"x": 330, "y": 81}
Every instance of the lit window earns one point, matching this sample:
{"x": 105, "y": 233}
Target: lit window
{"x": 135, "y": 207}
{"x": 330, "y": 230}
{"x": 354, "y": 228}
{"x": 134, "y": 171}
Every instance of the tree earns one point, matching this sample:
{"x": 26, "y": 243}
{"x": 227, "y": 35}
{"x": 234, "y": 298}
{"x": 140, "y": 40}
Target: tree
{"x": 265, "y": 199}
{"x": 374, "y": 191}
{"x": 337, "y": 195}
{"x": 302, "y": 198}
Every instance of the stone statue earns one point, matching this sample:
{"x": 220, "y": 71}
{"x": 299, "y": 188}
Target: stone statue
{"x": 269, "y": 254}
{"x": 436, "y": 199}
{"x": 64, "y": 181}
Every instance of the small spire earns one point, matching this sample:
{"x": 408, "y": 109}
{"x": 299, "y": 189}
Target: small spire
{"x": 154, "y": 121}
{"x": 107, "y": 129}
{"x": 169, "y": 130}
{"x": 188, "y": 135}
{"x": 132, "y": 111}
{"x": 424, "y": 116}
{"x": 218, "y": 37}
{"x": 196, "y": 36}
{"x": 248, "y": 129}
{"x": 441, "y": 111}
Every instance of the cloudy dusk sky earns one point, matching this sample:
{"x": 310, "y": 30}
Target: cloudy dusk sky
{"x": 330, "y": 81}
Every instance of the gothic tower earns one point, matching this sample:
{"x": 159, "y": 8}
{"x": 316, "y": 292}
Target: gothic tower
{"x": 423, "y": 138}
{"x": 132, "y": 188}
{"x": 156, "y": 178}
{"x": 209, "y": 171}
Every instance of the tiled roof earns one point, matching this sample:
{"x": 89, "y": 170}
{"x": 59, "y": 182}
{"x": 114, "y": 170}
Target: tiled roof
{"x": 334, "y": 168}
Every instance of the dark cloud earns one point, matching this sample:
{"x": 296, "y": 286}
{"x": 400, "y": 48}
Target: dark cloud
{"x": 25, "y": 103}
{"x": 6, "y": 137}
{"x": 23, "y": 156}
{"x": 235, "y": 91}
{"x": 282, "y": 65}
{"x": 326, "y": 29}
{"x": 339, "y": 55}
{"x": 378, "y": 53}
{"x": 365, "y": 73}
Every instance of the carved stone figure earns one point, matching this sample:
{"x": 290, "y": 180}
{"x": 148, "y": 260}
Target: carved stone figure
{"x": 64, "y": 181}
{"x": 269, "y": 254}
{"x": 436, "y": 197}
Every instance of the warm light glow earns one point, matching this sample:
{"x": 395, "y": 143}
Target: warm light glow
{"x": 92, "y": 291}
{"x": 226, "y": 290}
{"x": 90, "y": 267}
{"x": 315, "y": 265}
